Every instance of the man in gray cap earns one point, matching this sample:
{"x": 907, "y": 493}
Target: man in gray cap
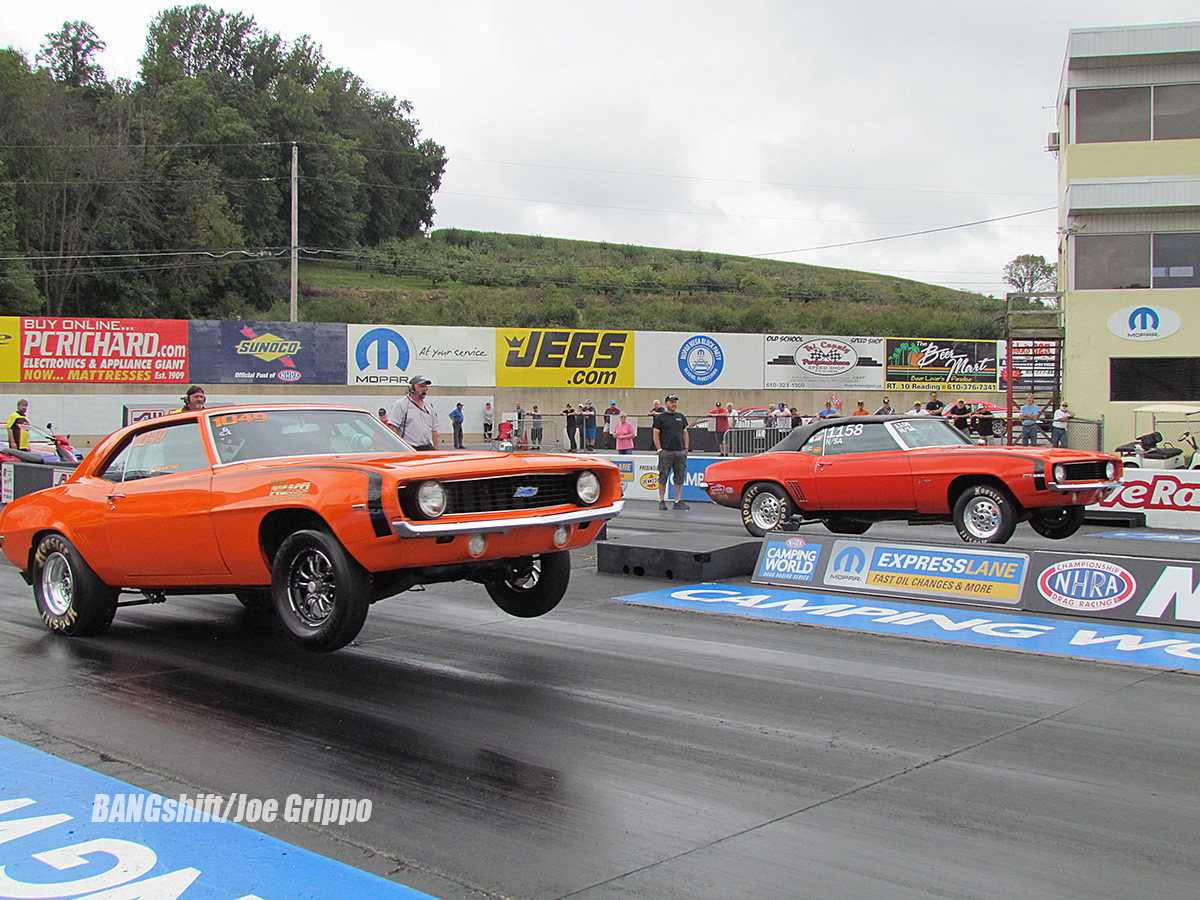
{"x": 413, "y": 416}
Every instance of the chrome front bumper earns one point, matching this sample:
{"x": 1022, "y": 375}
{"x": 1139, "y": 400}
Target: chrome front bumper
{"x": 434, "y": 528}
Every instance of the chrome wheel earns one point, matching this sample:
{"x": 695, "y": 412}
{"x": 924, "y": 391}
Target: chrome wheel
{"x": 766, "y": 511}
{"x": 312, "y": 587}
{"x": 982, "y": 517}
{"x": 58, "y": 584}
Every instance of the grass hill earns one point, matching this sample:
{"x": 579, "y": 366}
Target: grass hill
{"x": 457, "y": 277}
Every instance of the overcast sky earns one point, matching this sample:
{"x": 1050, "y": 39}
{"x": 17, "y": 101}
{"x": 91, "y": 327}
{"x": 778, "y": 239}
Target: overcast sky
{"x": 763, "y": 127}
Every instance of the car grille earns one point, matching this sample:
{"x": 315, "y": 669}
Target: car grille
{"x": 1085, "y": 471}
{"x": 510, "y": 493}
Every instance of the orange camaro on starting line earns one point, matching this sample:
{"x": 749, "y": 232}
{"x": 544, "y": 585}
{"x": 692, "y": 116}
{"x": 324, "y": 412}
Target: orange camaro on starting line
{"x": 318, "y": 511}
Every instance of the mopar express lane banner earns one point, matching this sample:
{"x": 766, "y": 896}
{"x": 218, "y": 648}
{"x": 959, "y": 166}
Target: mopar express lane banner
{"x": 822, "y": 363}
{"x": 919, "y": 364}
{"x": 103, "y": 350}
{"x": 268, "y": 352}
{"x": 532, "y": 357}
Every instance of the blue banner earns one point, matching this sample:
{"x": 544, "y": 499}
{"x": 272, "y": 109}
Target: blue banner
{"x": 267, "y": 352}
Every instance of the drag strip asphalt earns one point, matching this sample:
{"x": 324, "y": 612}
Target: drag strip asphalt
{"x": 614, "y": 749}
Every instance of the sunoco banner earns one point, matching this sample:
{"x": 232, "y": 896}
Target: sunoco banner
{"x": 268, "y": 352}
{"x": 104, "y": 350}
{"x": 919, "y": 364}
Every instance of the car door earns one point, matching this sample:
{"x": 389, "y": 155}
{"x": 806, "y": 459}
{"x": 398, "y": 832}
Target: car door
{"x": 862, "y": 468}
{"x": 158, "y": 516}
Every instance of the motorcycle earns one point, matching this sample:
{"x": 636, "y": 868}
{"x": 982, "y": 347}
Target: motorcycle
{"x": 52, "y": 447}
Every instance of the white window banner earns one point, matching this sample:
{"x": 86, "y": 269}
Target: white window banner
{"x": 690, "y": 359}
{"x": 392, "y": 354}
{"x": 813, "y": 362}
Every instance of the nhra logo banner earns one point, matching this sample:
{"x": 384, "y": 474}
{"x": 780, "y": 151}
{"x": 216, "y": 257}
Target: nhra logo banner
{"x": 1116, "y": 587}
{"x": 386, "y": 354}
{"x": 914, "y": 364}
{"x": 528, "y": 357}
{"x": 104, "y": 350}
{"x": 268, "y": 352}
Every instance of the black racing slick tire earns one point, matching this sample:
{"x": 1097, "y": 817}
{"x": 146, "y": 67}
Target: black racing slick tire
{"x": 1058, "y": 523}
{"x": 320, "y": 592}
{"x": 71, "y": 598}
{"x": 532, "y": 585}
{"x": 984, "y": 515}
{"x": 766, "y": 507}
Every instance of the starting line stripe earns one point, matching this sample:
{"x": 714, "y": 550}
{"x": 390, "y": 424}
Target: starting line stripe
{"x": 1090, "y": 640}
{"x": 1149, "y": 536}
{"x": 51, "y": 847}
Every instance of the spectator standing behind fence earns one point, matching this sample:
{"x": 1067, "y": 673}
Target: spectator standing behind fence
{"x": 489, "y": 419}
{"x": 828, "y": 412}
{"x": 589, "y": 426}
{"x": 960, "y": 414}
{"x": 535, "y": 428}
{"x": 610, "y": 422}
{"x": 18, "y": 426}
{"x": 456, "y": 422}
{"x": 934, "y": 406}
{"x": 1058, "y": 430}
{"x": 518, "y": 423}
{"x": 886, "y": 409}
{"x": 983, "y": 421}
{"x": 720, "y": 419}
{"x": 624, "y": 432}
{"x": 1029, "y": 419}
{"x": 860, "y": 410}
{"x": 571, "y": 422}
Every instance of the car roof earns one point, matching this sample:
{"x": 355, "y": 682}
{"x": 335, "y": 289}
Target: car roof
{"x": 797, "y": 436}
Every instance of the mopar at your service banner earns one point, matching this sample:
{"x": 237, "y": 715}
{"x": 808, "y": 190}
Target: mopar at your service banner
{"x": 268, "y": 352}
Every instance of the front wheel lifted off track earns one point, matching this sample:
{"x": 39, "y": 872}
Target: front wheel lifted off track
{"x": 984, "y": 515}
{"x": 532, "y": 585}
{"x": 71, "y": 597}
{"x": 321, "y": 592}
{"x": 1058, "y": 523}
{"x": 766, "y": 507}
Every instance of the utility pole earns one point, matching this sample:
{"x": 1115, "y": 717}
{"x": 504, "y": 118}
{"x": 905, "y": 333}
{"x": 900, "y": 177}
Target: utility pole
{"x": 295, "y": 231}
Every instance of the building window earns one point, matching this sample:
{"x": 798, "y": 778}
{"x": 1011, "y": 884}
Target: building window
{"x": 1112, "y": 114}
{"x": 1112, "y": 261}
{"x": 1176, "y": 112}
{"x": 1146, "y": 379}
{"x": 1177, "y": 260}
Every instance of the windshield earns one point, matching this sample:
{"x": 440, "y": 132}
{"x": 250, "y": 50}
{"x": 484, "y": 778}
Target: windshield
{"x": 265, "y": 434}
{"x": 926, "y": 431}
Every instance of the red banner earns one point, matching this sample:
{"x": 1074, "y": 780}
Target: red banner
{"x": 104, "y": 350}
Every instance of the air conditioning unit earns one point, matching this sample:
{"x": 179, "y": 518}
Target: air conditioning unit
{"x": 1052, "y": 142}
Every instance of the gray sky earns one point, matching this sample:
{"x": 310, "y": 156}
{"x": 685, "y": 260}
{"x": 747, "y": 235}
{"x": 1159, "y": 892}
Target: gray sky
{"x": 752, "y": 128}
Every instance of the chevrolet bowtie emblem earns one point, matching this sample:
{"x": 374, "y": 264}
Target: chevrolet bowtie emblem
{"x": 525, "y": 492}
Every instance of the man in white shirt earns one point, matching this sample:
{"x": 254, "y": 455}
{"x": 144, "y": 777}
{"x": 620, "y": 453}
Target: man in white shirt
{"x": 413, "y": 416}
{"x": 1058, "y": 432}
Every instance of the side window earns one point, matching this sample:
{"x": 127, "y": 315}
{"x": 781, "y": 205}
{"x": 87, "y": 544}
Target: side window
{"x": 855, "y": 437}
{"x": 814, "y": 444}
{"x": 158, "y": 451}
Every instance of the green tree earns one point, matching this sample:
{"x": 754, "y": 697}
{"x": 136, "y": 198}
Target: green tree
{"x": 1028, "y": 273}
{"x": 68, "y": 55}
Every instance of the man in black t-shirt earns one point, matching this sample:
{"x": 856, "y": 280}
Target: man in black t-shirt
{"x": 934, "y": 406}
{"x": 671, "y": 442}
{"x": 960, "y": 414}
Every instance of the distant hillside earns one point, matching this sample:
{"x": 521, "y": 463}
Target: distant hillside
{"x": 457, "y": 277}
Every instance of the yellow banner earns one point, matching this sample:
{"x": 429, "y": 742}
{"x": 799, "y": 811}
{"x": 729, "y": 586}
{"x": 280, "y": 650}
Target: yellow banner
{"x": 10, "y": 348}
{"x": 543, "y": 357}
{"x": 946, "y": 584}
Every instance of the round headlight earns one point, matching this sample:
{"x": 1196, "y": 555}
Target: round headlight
{"x": 1110, "y": 470}
{"x": 1060, "y": 473}
{"x": 587, "y": 487}
{"x": 431, "y": 499}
